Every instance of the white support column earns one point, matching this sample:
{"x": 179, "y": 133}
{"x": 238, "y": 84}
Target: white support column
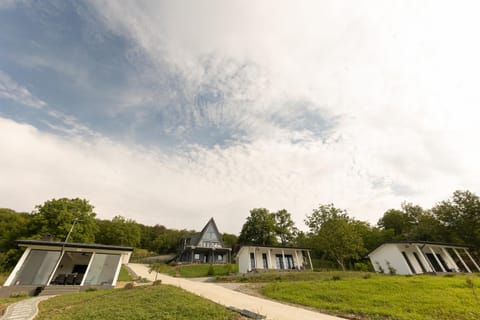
{"x": 17, "y": 268}
{"x": 310, "y": 260}
{"x": 88, "y": 268}
{"x": 471, "y": 258}
{"x": 297, "y": 264}
{"x": 450, "y": 260}
{"x": 56, "y": 267}
{"x": 438, "y": 260}
{"x": 117, "y": 272}
{"x": 284, "y": 262}
{"x": 270, "y": 266}
{"x": 425, "y": 261}
{"x": 463, "y": 262}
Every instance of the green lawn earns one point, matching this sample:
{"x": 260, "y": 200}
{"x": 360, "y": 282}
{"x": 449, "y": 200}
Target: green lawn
{"x": 124, "y": 275}
{"x": 145, "y": 302}
{"x": 386, "y": 297}
{"x": 198, "y": 270}
{"x": 274, "y": 275}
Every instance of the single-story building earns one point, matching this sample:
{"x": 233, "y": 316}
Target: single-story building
{"x": 47, "y": 263}
{"x": 262, "y": 258}
{"x": 415, "y": 257}
{"x": 204, "y": 247}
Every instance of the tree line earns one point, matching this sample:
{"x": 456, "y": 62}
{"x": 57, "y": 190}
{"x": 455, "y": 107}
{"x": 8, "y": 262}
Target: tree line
{"x": 340, "y": 240}
{"x": 53, "y": 219}
{"x": 336, "y": 238}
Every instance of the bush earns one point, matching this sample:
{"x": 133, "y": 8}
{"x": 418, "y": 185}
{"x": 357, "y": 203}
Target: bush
{"x": 91, "y": 289}
{"x": 336, "y": 278}
{"x": 129, "y": 286}
{"x": 157, "y": 283}
{"x": 391, "y": 270}
{"x": 211, "y": 271}
{"x": 19, "y": 294}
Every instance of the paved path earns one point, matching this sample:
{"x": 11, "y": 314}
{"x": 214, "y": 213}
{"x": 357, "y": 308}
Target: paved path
{"x": 23, "y": 310}
{"x": 227, "y": 297}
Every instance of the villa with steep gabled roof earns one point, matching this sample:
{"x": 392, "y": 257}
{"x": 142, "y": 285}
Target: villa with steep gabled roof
{"x": 204, "y": 247}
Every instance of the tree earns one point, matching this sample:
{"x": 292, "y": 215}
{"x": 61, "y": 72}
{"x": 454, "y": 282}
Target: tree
{"x": 120, "y": 231}
{"x": 55, "y": 217}
{"x": 396, "y": 220}
{"x": 229, "y": 240}
{"x": 460, "y": 216}
{"x": 336, "y": 234}
{"x": 259, "y": 228}
{"x": 285, "y": 229}
{"x": 13, "y": 225}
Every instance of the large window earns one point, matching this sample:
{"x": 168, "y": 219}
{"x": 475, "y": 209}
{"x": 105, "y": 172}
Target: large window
{"x": 37, "y": 268}
{"x": 102, "y": 270}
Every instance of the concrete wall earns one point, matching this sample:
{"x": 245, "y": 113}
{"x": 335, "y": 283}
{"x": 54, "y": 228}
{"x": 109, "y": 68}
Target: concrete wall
{"x": 389, "y": 254}
{"x": 244, "y": 264}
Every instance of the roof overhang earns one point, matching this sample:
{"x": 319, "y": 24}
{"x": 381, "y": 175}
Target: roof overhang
{"x": 79, "y": 247}
{"x": 419, "y": 243}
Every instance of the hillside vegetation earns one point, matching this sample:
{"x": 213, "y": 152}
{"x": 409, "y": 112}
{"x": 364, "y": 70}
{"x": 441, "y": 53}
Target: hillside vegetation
{"x": 386, "y": 297}
{"x": 140, "y": 303}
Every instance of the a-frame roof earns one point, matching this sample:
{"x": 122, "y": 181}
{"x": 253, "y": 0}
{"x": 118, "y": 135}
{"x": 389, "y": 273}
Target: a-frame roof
{"x": 195, "y": 239}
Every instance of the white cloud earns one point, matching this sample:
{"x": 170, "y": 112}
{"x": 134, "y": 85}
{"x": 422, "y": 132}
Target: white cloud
{"x": 11, "y": 90}
{"x": 398, "y": 79}
{"x": 183, "y": 190}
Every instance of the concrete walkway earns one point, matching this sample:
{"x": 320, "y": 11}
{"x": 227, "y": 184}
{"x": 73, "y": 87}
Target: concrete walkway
{"x": 229, "y": 298}
{"x": 23, "y": 310}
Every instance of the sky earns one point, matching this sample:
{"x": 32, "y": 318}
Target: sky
{"x": 172, "y": 112}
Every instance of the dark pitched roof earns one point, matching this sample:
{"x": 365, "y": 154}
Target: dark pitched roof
{"x": 72, "y": 245}
{"x": 195, "y": 239}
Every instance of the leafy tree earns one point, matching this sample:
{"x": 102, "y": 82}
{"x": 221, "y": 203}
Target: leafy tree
{"x": 396, "y": 220}
{"x": 285, "y": 229}
{"x": 120, "y": 231}
{"x": 259, "y": 228}
{"x": 230, "y": 240}
{"x": 56, "y": 216}
{"x": 13, "y": 226}
{"x": 460, "y": 216}
{"x": 336, "y": 234}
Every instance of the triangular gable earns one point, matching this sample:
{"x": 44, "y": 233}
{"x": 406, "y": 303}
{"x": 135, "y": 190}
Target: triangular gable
{"x": 209, "y": 233}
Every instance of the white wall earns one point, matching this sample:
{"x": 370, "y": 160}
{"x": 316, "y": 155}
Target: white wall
{"x": 389, "y": 253}
{"x": 243, "y": 257}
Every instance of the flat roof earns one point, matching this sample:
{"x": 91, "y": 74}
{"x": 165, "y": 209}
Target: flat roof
{"x": 24, "y": 243}
{"x": 411, "y": 242}
{"x": 273, "y": 247}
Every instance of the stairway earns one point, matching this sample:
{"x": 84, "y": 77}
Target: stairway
{"x": 56, "y": 290}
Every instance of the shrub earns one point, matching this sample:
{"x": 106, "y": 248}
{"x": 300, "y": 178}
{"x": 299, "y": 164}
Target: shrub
{"x": 367, "y": 276}
{"x": 336, "y": 278}
{"x": 157, "y": 283}
{"x": 391, "y": 270}
{"x": 19, "y": 294}
{"x": 211, "y": 271}
{"x": 129, "y": 286}
{"x": 380, "y": 268}
{"x": 91, "y": 289}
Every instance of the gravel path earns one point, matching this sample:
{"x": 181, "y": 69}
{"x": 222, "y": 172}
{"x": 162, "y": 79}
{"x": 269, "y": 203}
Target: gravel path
{"x": 230, "y": 298}
{"x": 23, "y": 310}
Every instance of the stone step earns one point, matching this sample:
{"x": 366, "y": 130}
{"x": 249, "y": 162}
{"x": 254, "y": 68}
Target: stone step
{"x": 55, "y": 290}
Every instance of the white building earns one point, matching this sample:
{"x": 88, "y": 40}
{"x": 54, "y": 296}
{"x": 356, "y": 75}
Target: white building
{"x": 416, "y": 257}
{"x": 262, "y": 258}
{"x": 67, "y": 265}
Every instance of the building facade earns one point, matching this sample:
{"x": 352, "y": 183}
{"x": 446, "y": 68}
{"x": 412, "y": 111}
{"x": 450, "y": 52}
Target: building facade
{"x": 47, "y": 263}
{"x": 204, "y": 247}
{"x": 263, "y": 258}
{"x": 417, "y": 257}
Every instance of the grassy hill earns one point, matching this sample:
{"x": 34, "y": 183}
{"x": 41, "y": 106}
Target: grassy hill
{"x": 370, "y": 296}
{"x": 140, "y": 303}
